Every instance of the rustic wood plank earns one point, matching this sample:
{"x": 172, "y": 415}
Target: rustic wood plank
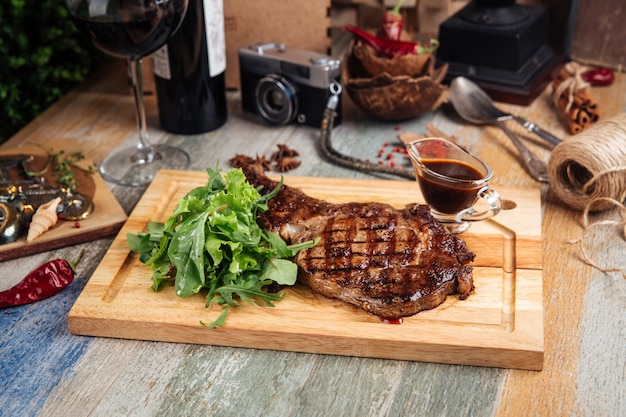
{"x": 565, "y": 293}
{"x": 582, "y": 304}
{"x": 35, "y": 329}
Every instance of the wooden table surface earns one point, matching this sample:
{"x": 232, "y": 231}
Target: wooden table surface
{"x": 45, "y": 370}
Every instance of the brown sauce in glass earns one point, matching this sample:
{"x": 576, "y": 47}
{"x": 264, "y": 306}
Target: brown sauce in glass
{"x": 446, "y": 197}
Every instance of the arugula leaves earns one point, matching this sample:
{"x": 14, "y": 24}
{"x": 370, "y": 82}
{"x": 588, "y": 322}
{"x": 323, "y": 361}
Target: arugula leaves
{"x": 212, "y": 242}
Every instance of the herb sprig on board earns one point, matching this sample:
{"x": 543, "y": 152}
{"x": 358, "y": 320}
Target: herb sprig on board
{"x": 62, "y": 164}
{"x": 212, "y": 243}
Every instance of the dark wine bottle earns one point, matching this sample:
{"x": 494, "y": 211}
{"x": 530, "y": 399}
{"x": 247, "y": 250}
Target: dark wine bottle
{"x": 189, "y": 72}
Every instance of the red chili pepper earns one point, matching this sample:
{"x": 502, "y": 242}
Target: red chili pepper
{"x": 387, "y": 47}
{"x": 599, "y": 76}
{"x": 391, "y": 26}
{"x": 45, "y": 281}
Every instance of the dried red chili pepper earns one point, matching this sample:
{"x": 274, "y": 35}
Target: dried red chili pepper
{"x": 43, "y": 282}
{"x": 392, "y": 23}
{"x": 389, "y": 47}
{"x": 599, "y": 76}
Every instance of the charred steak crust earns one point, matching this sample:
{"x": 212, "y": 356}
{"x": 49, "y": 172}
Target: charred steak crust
{"x": 389, "y": 262}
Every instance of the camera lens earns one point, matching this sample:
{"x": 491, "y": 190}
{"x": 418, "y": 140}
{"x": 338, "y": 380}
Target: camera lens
{"x": 276, "y": 99}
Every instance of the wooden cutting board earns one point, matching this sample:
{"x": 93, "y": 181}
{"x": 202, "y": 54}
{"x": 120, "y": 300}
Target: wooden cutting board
{"x": 501, "y": 325}
{"x": 106, "y": 219}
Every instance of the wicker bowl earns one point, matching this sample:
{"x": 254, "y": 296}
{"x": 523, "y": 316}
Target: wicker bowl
{"x": 393, "y": 89}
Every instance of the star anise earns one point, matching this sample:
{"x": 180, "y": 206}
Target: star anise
{"x": 241, "y": 160}
{"x": 264, "y": 162}
{"x": 287, "y": 164}
{"x": 283, "y": 152}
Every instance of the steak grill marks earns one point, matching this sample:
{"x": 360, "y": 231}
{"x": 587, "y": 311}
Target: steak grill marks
{"x": 389, "y": 262}
{"x": 353, "y": 244}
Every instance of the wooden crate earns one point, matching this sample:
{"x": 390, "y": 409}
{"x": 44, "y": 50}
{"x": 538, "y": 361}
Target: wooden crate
{"x": 301, "y": 24}
{"x": 599, "y": 33}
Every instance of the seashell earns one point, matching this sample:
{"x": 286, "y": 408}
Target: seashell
{"x": 44, "y": 218}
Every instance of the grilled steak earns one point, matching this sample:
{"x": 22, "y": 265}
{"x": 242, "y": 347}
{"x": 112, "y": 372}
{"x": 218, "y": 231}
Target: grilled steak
{"x": 391, "y": 263}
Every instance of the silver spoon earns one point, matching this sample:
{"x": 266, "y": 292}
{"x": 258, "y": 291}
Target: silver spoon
{"x": 478, "y": 107}
{"x": 473, "y": 105}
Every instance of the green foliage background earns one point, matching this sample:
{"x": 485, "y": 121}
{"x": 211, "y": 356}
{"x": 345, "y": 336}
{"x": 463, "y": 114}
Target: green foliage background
{"x": 42, "y": 56}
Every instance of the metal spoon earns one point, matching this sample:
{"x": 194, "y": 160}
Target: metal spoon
{"x": 477, "y": 107}
{"x": 473, "y": 105}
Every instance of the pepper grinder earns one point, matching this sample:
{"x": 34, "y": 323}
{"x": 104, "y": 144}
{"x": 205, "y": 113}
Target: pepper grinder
{"x": 501, "y": 46}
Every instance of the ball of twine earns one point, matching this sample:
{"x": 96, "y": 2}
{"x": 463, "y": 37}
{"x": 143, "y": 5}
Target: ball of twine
{"x": 588, "y": 170}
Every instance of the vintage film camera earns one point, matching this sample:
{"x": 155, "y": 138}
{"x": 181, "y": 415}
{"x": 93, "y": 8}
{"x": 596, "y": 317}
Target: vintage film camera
{"x": 285, "y": 85}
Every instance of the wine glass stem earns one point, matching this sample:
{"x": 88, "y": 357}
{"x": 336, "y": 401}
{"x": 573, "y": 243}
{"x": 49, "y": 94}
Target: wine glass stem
{"x": 145, "y": 152}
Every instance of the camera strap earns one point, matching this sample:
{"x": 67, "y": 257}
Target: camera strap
{"x": 329, "y": 152}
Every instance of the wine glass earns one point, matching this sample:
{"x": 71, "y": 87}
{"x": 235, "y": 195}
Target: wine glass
{"x": 132, "y": 29}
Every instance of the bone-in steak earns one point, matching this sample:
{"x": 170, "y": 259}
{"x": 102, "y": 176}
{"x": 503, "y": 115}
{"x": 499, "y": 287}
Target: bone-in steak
{"x": 389, "y": 262}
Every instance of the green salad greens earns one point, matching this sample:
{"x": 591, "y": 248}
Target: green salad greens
{"x": 212, "y": 243}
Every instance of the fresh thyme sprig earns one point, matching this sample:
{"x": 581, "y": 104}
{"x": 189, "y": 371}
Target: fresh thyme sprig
{"x": 62, "y": 164}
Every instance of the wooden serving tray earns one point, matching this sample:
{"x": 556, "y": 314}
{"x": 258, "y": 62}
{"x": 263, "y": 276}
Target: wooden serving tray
{"x": 501, "y": 325}
{"x": 106, "y": 219}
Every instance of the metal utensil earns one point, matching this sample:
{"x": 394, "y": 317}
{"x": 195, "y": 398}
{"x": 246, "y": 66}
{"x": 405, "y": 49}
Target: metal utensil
{"x": 473, "y": 105}
{"x": 10, "y": 225}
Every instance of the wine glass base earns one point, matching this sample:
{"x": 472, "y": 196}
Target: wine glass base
{"x": 133, "y": 168}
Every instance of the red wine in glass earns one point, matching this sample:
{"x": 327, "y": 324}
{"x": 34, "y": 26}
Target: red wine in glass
{"x": 132, "y": 29}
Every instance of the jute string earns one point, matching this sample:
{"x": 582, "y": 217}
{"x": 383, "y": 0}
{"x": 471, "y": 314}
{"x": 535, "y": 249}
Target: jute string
{"x": 588, "y": 172}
